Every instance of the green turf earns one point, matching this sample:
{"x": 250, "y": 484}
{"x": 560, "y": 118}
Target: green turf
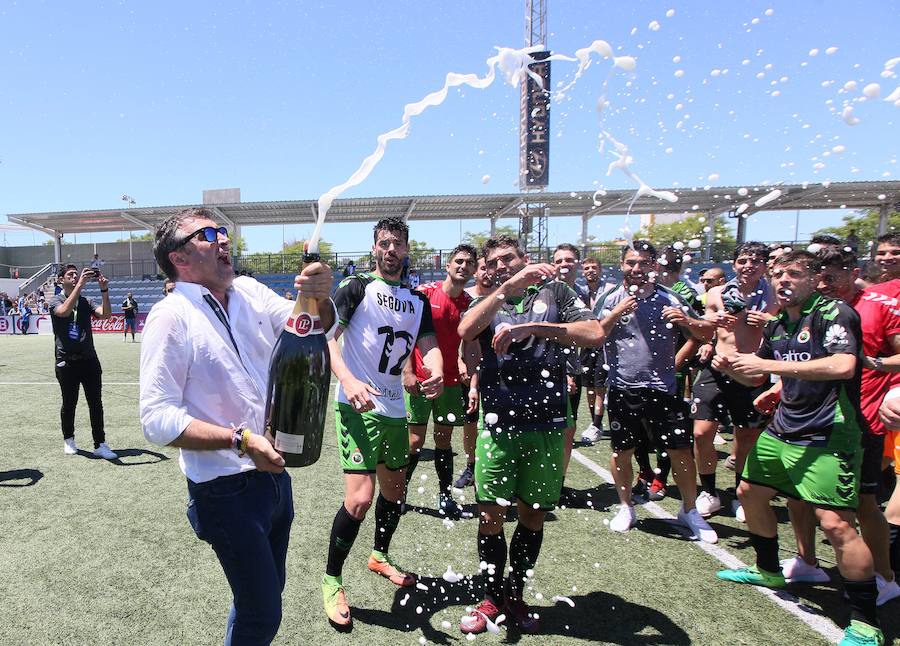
{"x": 101, "y": 553}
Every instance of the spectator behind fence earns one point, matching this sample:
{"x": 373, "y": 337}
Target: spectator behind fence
{"x": 77, "y": 364}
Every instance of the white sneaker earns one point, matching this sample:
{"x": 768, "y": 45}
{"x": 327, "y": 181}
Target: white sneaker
{"x": 624, "y": 519}
{"x": 104, "y": 452}
{"x": 796, "y": 570}
{"x": 707, "y": 504}
{"x": 718, "y": 440}
{"x": 886, "y": 591}
{"x": 590, "y": 435}
{"x": 738, "y": 510}
{"x": 699, "y": 527}
{"x": 69, "y": 447}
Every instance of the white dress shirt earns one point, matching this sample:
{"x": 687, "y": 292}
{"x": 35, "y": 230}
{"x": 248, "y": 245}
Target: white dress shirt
{"x": 191, "y": 370}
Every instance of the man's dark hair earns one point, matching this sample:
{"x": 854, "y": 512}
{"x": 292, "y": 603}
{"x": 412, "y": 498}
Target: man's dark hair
{"x": 167, "y": 238}
{"x": 755, "y": 249}
{"x": 65, "y": 268}
{"x": 673, "y": 259}
{"x": 892, "y": 238}
{"x": 501, "y": 241}
{"x": 641, "y": 246}
{"x": 464, "y": 248}
{"x": 837, "y": 258}
{"x": 826, "y": 239}
{"x": 393, "y": 225}
{"x": 590, "y": 259}
{"x": 813, "y": 263}
{"x": 568, "y": 246}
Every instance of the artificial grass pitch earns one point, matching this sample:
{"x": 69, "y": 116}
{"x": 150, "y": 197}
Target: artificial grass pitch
{"x": 93, "y": 552}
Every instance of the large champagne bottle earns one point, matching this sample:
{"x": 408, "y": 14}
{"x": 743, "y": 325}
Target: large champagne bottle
{"x": 299, "y": 381}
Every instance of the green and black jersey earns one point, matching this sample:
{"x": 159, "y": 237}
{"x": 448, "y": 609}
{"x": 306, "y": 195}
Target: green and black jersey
{"x": 817, "y": 413}
{"x": 526, "y": 388}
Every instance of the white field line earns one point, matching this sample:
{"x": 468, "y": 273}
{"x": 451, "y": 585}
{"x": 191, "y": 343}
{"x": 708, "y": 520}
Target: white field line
{"x": 56, "y": 383}
{"x": 785, "y": 600}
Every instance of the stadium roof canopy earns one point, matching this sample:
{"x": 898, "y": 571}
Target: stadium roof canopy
{"x": 725, "y": 199}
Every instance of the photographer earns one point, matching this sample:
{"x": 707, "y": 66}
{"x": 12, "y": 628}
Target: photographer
{"x": 76, "y": 360}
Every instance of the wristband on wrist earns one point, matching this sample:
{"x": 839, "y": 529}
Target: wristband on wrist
{"x": 245, "y": 440}
{"x": 236, "y": 439}
{"x": 103, "y": 291}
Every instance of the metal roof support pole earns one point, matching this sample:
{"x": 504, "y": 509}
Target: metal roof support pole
{"x": 57, "y": 247}
{"x": 741, "y": 228}
{"x": 493, "y": 226}
{"x": 585, "y": 218}
{"x": 710, "y": 235}
{"x": 883, "y": 211}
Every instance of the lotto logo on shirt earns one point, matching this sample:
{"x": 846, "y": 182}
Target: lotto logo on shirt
{"x": 793, "y": 355}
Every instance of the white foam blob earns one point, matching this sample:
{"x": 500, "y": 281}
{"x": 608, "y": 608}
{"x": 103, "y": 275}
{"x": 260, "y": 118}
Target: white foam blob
{"x": 872, "y": 91}
{"x": 485, "y": 179}
{"x": 653, "y": 26}
{"x": 831, "y": 50}
{"x": 848, "y": 117}
{"x": 742, "y": 191}
{"x": 694, "y": 244}
{"x": 503, "y": 502}
{"x": 713, "y": 177}
{"x": 490, "y": 418}
{"x": 558, "y": 597}
{"x": 450, "y": 576}
{"x": 772, "y": 195}
{"x": 814, "y": 52}
{"x": 670, "y": 13}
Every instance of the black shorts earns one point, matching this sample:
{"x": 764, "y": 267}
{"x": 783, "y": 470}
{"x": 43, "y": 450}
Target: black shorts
{"x": 641, "y": 410}
{"x": 470, "y": 418}
{"x": 593, "y": 375}
{"x": 718, "y": 397}
{"x": 870, "y": 475}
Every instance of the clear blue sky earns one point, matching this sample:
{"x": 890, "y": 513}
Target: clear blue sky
{"x": 161, "y": 100}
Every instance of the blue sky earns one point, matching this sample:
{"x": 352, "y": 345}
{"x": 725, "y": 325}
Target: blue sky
{"x": 162, "y": 100}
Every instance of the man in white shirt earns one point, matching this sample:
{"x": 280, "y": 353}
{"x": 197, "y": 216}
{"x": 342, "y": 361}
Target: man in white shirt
{"x": 204, "y": 374}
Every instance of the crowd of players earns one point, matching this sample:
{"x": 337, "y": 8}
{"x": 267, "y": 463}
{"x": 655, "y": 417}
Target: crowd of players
{"x": 795, "y": 354}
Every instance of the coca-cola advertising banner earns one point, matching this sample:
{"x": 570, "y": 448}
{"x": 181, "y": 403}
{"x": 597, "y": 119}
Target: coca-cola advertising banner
{"x": 40, "y": 324}
{"x": 115, "y": 323}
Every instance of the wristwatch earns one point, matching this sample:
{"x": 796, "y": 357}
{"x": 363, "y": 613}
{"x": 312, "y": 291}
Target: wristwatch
{"x": 878, "y": 363}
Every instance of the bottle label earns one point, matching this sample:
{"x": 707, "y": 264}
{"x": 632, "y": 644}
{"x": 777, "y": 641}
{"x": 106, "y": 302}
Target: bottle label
{"x": 288, "y": 443}
{"x": 303, "y": 324}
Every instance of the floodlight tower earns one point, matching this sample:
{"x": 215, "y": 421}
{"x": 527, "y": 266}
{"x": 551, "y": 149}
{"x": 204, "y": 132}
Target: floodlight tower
{"x": 534, "y": 128}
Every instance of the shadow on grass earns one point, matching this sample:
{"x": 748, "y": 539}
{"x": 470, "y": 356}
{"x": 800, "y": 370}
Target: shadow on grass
{"x": 145, "y": 456}
{"x": 599, "y": 498}
{"x": 597, "y": 615}
{"x": 20, "y": 477}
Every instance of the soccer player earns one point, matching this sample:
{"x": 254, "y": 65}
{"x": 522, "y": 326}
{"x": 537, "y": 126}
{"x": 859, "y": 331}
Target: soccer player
{"x": 381, "y": 322}
{"x": 592, "y": 371}
{"x": 652, "y": 484}
{"x": 522, "y": 329}
{"x": 712, "y": 277}
{"x": 471, "y": 354}
{"x": 77, "y": 364}
{"x": 566, "y": 259}
{"x": 643, "y": 322}
{"x": 448, "y": 300}
{"x": 880, "y": 338}
{"x": 812, "y": 448}
{"x": 887, "y": 256}
{"x": 740, "y": 308}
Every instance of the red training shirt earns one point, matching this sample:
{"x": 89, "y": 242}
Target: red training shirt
{"x": 879, "y": 311}
{"x": 445, "y": 313}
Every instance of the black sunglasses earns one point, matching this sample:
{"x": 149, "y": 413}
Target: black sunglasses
{"x": 210, "y": 234}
